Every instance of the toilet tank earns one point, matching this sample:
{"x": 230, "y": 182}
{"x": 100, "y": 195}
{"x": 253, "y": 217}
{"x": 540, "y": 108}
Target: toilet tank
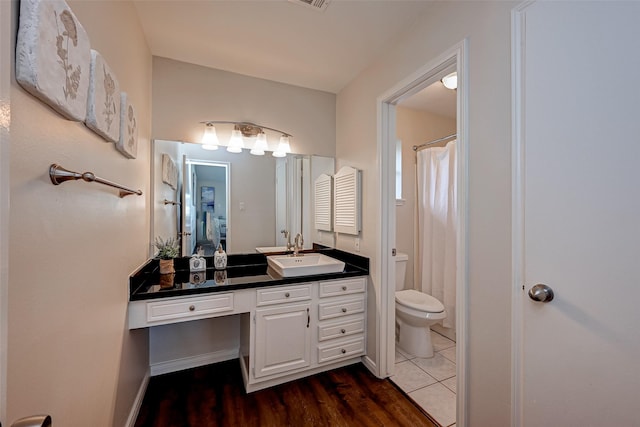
{"x": 401, "y": 269}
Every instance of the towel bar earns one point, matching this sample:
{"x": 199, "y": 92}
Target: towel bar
{"x": 58, "y": 175}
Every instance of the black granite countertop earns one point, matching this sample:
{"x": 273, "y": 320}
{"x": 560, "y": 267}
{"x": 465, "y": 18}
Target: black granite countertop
{"x": 243, "y": 271}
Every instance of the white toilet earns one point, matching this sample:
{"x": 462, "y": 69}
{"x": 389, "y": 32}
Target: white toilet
{"x": 415, "y": 313}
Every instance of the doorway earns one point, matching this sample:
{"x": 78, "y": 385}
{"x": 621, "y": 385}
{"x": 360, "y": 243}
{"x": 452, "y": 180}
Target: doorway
{"x": 453, "y": 59}
{"x": 205, "y": 207}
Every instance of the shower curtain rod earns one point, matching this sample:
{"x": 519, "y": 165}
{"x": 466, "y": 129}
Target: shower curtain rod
{"x": 435, "y": 141}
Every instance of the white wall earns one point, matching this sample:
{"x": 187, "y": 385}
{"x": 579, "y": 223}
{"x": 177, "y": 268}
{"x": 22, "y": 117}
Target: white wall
{"x": 414, "y": 127}
{"x": 72, "y": 247}
{"x": 487, "y": 25}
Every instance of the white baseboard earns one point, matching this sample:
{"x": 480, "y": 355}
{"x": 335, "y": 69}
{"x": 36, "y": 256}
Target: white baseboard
{"x": 192, "y": 361}
{"x": 137, "y": 403}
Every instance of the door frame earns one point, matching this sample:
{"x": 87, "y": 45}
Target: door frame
{"x": 227, "y": 171}
{"x": 455, "y": 56}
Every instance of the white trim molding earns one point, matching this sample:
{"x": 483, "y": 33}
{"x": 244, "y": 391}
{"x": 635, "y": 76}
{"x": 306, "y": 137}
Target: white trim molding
{"x": 456, "y": 57}
{"x": 137, "y": 402}
{"x": 517, "y": 207}
{"x": 193, "y": 361}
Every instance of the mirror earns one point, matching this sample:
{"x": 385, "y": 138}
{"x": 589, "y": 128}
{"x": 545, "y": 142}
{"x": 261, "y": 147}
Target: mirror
{"x": 248, "y": 199}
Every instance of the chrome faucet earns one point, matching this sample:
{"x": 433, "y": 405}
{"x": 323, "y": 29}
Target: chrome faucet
{"x": 287, "y": 236}
{"x": 298, "y": 243}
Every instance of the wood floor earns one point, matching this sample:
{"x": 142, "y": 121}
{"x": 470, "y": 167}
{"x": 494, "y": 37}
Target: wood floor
{"x": 214, "y": 395}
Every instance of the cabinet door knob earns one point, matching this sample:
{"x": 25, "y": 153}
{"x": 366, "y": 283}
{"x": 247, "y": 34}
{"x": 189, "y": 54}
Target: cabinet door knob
{"x": 286, "y": 295}
{"x": 343, "y": 351}
{"x": 192, "y": 307}
{"x": 344, "y": 331}
{"x": 344, "y": 310}
{"x": 344, "y": 288}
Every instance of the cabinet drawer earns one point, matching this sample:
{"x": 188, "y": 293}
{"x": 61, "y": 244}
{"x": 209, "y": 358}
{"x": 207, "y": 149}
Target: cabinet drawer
{"x": 329, "y": 331}
{"x": 345, "y": 307}
{"x": 279, "y": 295}
{"x": 341, "y": 350}
{"x": 342, "y": 287}
{"x": 189, "y": 307}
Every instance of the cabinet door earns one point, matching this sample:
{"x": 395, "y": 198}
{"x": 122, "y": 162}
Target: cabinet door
{"x": 283, "y": 339}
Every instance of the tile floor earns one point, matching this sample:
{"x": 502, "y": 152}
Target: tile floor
{"x": 431, "y": 383}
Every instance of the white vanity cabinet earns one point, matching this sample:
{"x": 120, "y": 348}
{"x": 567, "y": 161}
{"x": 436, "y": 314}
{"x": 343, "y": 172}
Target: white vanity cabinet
{"x": 341, "y": 320}
{"x": 286, "y": 332}
{"x": 291, "y": 340}
{"x": 282, "y": 330}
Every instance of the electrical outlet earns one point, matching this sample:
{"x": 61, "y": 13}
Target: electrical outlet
{"x": 241, "y": 206}
{"x": 357, "y": 244}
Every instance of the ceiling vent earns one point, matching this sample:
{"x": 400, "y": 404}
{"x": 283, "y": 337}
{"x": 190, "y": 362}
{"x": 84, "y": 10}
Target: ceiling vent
{"x": 320, "y": 5}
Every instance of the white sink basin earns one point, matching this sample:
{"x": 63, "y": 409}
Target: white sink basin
{"x": 304, "y": 265}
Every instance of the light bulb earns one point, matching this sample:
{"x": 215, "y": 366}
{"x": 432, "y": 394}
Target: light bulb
{"x": 210, "y": 138}
{"x": 260, "y": 145}
{"x": 283, "y": 147}
{"x": 450, "y": 81}
{"x": 235, "y": 143}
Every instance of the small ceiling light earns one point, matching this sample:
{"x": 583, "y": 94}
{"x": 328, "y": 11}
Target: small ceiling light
{"x": 260, "y": 145}
{"x": 283, "y": 147}
{"x": 210, "y": 138}
{"x": 235, "y": 143}
{"x": 450, "y": 81}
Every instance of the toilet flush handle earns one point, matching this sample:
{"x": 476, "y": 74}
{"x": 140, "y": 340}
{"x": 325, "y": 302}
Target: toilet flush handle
{"x": 541, "y": 293}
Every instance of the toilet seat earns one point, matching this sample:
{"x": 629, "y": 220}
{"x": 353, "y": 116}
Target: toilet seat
{"x": 419, "y": 301}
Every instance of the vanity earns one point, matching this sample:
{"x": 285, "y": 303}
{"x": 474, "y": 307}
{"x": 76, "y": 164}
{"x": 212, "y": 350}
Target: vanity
{"x": 290, "y": 327}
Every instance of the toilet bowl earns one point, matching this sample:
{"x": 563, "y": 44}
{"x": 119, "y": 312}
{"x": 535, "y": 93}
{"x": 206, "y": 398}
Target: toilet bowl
{"x": 415, "y": 313}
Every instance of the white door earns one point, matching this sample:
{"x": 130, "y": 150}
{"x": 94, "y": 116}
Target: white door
{"x": 577, "y": 213}
{"x": 283, "y": 339}
{"x": 187, "y": 230}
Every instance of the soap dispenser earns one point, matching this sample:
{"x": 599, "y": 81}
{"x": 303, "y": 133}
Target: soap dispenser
{"x": 220, "y": 258}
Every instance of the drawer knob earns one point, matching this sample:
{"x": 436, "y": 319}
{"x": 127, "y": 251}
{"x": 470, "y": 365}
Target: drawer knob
{"x": 192, "y": 307}
{"x": 344, "y": 288}
{"x": 344, "y": 310}
{"x": 344, "y": 331}
{"x": 286, "y": 295}
{"x": 343, "y": 351}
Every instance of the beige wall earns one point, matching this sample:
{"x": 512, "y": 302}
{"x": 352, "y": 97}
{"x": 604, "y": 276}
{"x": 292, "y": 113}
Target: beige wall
{"x": 186, "y": 94}
{"x": 487, "y": 25}
{"x": 6, "y": 60}
{"x": 414, "y": 127}
{"x": 72, "y": 247}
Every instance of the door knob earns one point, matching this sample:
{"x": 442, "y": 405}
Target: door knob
{"x": 541, "y": 293}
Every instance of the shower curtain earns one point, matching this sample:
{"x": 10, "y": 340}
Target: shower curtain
{"x": 437, "y": 234}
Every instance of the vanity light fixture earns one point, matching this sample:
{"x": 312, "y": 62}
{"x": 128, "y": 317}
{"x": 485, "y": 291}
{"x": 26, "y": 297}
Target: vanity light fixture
{"x": 235, "y": 143}
{"x": 450, "y": 81}
{"x": 260, "y": 145}
{"x": 243, "y": 130}
{"x": 283, "y": 147}
{"x": 210, "y": 138}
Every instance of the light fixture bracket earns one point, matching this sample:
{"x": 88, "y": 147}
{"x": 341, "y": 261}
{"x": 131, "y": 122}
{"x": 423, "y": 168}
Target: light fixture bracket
{"x": 249, "y": 130}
